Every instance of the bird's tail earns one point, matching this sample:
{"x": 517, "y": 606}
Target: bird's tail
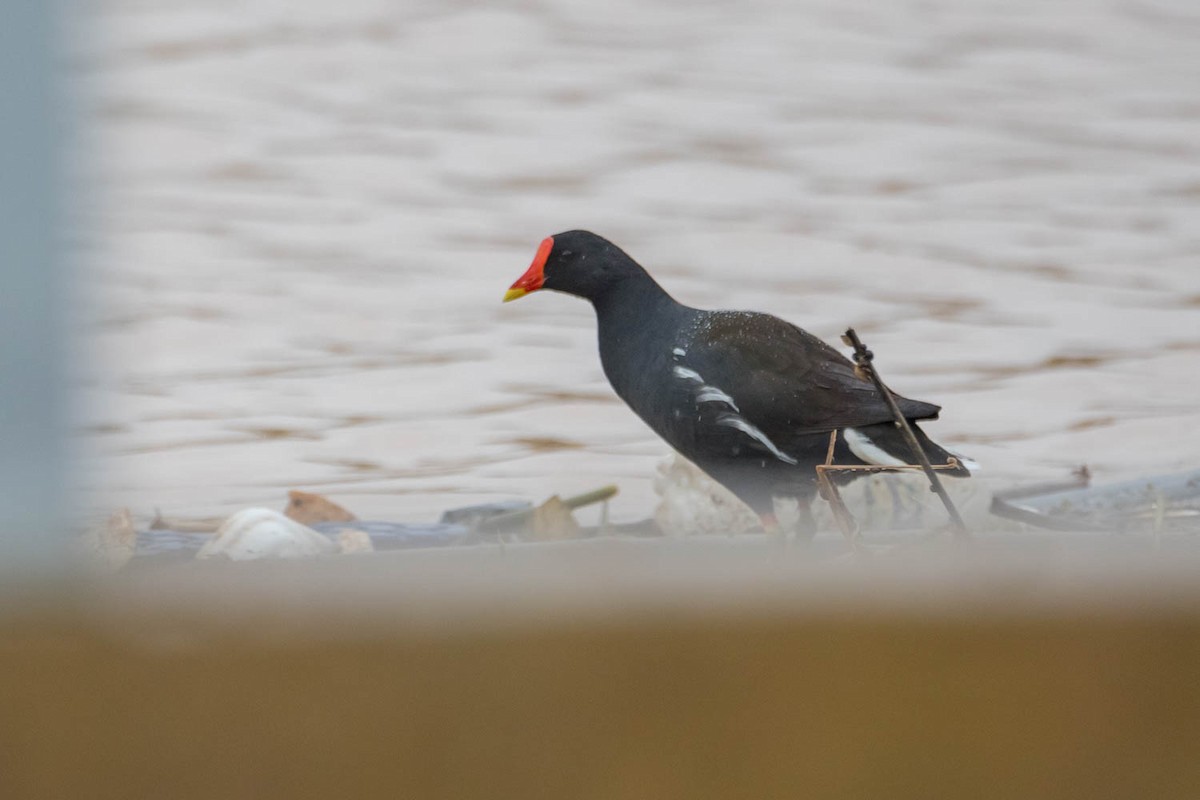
{"x": 884, "y": 445}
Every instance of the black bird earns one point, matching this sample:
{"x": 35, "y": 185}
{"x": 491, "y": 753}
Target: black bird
{"x": 747, "y": 397}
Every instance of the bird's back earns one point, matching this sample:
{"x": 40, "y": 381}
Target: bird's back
{"x": 737, "y": 383}
{"x": 784, "y": 377}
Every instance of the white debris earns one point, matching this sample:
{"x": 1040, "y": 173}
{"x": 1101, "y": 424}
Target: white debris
{"x": 352, "y": 540}
{"x": 110, "y": 545}
{"x": 262, "y": 533}
{"x": 692, "y": 503}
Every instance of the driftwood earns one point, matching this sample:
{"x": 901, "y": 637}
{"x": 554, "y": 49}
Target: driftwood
{"x": 185, "y": 525}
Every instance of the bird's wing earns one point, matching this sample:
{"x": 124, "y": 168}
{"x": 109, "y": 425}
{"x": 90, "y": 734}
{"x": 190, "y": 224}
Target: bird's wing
{"x": 760, "y": 381}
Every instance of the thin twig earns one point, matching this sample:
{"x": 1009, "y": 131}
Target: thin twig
{"x": 523, "y": 516}
{"x": 863, "y": 358}
{"x": 833, "y": 497}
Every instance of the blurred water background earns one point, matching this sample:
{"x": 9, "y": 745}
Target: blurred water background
{"x": 299, "y": 219}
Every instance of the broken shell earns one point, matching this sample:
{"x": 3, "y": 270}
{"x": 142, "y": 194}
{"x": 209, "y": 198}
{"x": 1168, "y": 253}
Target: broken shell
{"x": 308, "y": 508}
{"x": 262, "y": 533}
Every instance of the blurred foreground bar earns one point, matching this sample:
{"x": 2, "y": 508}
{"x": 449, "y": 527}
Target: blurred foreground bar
{"x": 655, "y": 669}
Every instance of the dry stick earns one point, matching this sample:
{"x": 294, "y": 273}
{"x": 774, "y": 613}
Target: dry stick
{"x": 863, "y": 358}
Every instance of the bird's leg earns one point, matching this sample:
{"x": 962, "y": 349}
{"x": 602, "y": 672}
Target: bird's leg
{"x": 806, "y": 524}
{"x": 801, "y": 525}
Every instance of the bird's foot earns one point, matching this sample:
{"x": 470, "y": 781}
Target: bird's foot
{"x": 770, "y": 524}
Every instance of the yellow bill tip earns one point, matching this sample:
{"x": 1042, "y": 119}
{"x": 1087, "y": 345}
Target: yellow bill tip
{"x": 513, "y": 294}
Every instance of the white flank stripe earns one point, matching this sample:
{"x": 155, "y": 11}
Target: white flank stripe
{"x": 706, "y": 393}
{"x": 735, "y": 421}
{"x": 711, "y": 394}
{"x": 679, "y": 351}
{"x": 868, "y": 451}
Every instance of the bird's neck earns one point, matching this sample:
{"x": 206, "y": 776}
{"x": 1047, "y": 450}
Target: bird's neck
{"x": 633, "y": 297}
{"x": 635, "y": 320}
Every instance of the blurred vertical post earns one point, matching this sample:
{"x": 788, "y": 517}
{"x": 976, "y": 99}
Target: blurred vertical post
{"x": 32, "y": 403}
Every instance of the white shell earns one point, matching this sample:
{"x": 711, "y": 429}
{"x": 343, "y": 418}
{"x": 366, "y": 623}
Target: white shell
{"x": 262, "y": 533}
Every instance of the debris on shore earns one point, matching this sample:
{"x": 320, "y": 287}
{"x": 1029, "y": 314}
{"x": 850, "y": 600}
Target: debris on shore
{"x": 110, "y": 545}
{"x": 1156, "y": 504}
{"x": 886, "y": 506}
{"x": 313, "y": 525}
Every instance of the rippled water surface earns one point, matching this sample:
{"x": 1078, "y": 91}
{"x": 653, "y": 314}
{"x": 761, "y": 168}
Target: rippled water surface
{"x": 304, "y": 216}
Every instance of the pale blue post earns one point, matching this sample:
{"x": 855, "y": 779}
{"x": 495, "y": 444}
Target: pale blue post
{"x": 32, "y": 402}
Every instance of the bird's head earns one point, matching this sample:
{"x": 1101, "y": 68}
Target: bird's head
{"x": 576, "y": 262}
